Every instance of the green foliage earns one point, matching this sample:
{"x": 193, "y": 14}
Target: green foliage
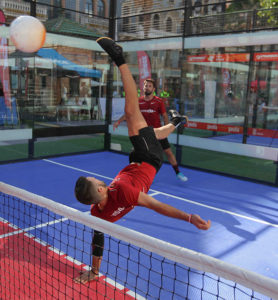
{"x": 269, "y": 3}
{"x": 239, "y": 5}
{"x": 270, "y": 11}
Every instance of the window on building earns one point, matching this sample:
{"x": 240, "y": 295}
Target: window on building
{"x": 74, "y": 86}
{"x": 141, "y": 20}
{"x": 100, "y": 8}
{"x": 197, "y": 7}
{"x": 43, "y": 81}
{"x": 89, "y": 7}
{"x": 70, "y": 4}
{"x": 169, "y": 25}
{"x": 156, "y": 21}
{"x": 48, "y": 2}
{"x": 70, "y": 9}
{"x": 125, "y": 12}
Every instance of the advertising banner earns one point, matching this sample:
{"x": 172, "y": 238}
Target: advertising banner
{"x": 144, "y": 67}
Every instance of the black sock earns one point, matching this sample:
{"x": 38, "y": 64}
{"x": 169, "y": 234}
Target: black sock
{"x": 176, "y": 169}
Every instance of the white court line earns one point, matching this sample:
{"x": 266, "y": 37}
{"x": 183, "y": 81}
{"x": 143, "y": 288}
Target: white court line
{"x": 154, "y": 192}
{"x": 77, "y": 169}
{"x": 32, "y": 227}
{"x": 221, "y": 210}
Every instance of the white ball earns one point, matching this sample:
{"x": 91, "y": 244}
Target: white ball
{"x": 27, "y": 34}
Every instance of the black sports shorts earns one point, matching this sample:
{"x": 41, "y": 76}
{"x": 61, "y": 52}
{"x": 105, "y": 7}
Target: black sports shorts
{"x": 146, "y": 148}
{"x": 164, "y": 144}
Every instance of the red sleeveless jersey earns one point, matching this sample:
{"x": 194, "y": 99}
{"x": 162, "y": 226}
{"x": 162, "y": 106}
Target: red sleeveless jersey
{"x": 124, "y": 191}
{"x": 152, "y": 110}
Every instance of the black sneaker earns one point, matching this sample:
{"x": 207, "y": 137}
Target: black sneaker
{"x": 114, "y": 50}
{"x": 176, "y": 119}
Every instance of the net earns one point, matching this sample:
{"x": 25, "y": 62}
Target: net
{"x": 44, "y": 245}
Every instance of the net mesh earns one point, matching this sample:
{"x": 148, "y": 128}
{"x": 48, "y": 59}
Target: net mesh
{"x": 42, "y": 251}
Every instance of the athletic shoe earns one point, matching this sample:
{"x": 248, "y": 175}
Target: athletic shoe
{"x": 114, "y": 50}
{"x": 176, "y": 119}
{"x": 181, "y": 177}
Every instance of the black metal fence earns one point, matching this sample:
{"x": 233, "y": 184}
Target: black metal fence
{"x": 186, "y": 21}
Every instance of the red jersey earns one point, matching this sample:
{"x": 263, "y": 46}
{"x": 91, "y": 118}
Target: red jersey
{"x": 124, "y": 191}
{"x": 151, "y": 110}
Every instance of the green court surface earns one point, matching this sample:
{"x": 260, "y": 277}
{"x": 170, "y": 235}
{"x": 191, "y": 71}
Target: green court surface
{"x": 52, "y": 146}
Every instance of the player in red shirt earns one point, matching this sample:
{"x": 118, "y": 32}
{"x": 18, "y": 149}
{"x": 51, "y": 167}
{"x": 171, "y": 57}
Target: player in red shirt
{"x": 129, "y": 188}
{"x": 152, "y": 107}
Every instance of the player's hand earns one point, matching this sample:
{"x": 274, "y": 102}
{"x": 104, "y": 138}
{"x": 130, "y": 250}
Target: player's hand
{"x": 85, "y": 277}
{"x": 200, "y": 223}
{"x": 115, "y": 125}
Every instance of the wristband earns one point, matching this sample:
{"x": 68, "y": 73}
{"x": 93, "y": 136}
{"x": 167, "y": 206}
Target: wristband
{"x": 189, "y": 220}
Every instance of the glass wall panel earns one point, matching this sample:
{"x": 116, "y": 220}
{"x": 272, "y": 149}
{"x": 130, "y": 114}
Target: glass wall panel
{"x": 55, "y": 91}
{"x": 58, "y": 85}
{"x": 213, "y": 87}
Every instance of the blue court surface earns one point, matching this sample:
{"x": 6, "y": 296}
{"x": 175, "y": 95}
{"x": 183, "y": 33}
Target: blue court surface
{"x": 244, "y": 214}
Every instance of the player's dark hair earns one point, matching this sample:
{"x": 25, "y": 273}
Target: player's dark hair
{"x": 150, "y": 80}
{"x": 86, "y": 191}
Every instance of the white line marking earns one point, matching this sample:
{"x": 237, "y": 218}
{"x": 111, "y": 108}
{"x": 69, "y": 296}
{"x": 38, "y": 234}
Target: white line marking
{"x": 73, "y": 260}
{"x": 134, "y": 295}
{"x": 114, "y": 283}
{"x": 77, "y": 169}
{"x": 40, "y": 242}
{"x": 30, "y": 236}
{"x": 10, "y": 234}
{"x": 154, "y": 193}
{"x": 31, "y": 228}
{"x": 176, "y": 197}
{"x": 221, "y": 210}
{"x": 56, "y": 250}
{"x": 13, "y": 226}
{"x": 3, "y": 220}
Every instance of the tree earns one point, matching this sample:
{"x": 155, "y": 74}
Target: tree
{"x": 270, "y": 11}
{"x": 239, "y": 5}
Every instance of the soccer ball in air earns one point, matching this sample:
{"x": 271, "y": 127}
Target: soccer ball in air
{"x": 27, "y": 34}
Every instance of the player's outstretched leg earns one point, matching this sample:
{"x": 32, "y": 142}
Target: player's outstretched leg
{"x": 134, "y": 118}
{"x": 114, "y": 50}
{"x": 176, "y": 119}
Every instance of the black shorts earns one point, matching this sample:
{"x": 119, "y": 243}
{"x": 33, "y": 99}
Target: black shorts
{"x": 164, "y": 144}
{"x": 146, "y": 148}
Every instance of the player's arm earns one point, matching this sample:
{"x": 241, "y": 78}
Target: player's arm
{"x": 163, "y": 112}
{"x": 117, "y": 123}
{"x": 170, "y": 211}
{"x": 165, "y": 118}
{"x": 97, "y": 248}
